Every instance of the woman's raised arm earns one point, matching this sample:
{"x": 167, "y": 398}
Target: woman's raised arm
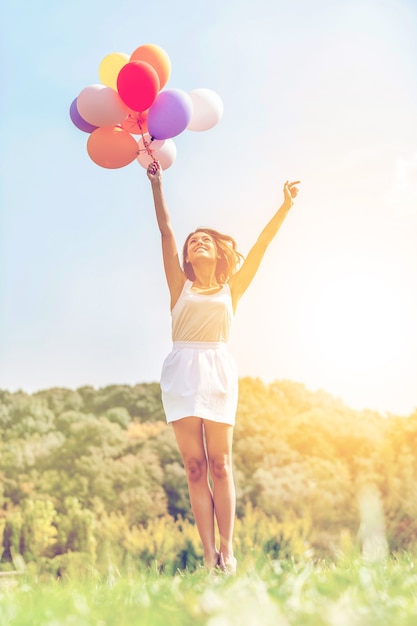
{"x": 244, "y": 276}
{"x": 173, "y": 272}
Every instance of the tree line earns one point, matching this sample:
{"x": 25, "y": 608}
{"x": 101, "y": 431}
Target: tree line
{"x": 83, "y": 468}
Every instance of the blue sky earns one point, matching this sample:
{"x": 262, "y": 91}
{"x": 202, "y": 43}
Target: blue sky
{"x": 325, "y": 92}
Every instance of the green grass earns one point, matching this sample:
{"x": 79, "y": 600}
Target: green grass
{"x": 349, "y": 592}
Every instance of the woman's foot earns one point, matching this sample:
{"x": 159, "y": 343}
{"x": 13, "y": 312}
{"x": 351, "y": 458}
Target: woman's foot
{"x": 213, "y": 561}
{"x": 227, "y": 564}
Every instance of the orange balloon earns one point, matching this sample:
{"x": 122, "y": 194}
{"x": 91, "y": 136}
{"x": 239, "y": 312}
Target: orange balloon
{"x": 136, "y": 123}
{"x": 112, "y": 147}
{"x": 157, "y": 57}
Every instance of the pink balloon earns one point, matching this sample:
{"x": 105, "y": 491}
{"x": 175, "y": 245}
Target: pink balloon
{"x": 165, "y": 153}
{"x": 170, "y": 114}
{"x": 101, "y": 106}
{"x": 78, "y": 121}
{"x": 207, "y": 109}
{"x": 138, "y": 85}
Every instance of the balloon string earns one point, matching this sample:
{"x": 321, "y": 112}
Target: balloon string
{"x": 146, "y": 143}
{"x": 138, "y": 120}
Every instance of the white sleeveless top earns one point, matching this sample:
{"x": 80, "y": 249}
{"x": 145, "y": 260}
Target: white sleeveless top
{"x": 200, "y": 317}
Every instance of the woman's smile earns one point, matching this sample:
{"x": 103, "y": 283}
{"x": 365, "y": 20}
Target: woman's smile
{"x": 200, "y": 245}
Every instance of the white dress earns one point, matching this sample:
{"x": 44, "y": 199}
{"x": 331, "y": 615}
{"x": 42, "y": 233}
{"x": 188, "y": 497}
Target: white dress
{"x": 199, "y": 377}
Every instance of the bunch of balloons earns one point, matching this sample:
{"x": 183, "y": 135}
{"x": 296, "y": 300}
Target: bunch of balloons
{"x": 130, "y": 100}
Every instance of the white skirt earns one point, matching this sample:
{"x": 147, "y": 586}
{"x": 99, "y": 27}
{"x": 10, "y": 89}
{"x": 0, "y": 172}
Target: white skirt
{"x": 200, "y": 379}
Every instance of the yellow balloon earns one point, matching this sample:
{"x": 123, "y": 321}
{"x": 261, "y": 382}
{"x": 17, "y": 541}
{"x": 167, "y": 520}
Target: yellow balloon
{"x": 110, "y": 67}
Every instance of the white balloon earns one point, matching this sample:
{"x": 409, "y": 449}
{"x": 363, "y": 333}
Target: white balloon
{"x": 101, "y": 106}
{"x": 207, "y": 109}
{"x": 165, "y": 152}
{"x": 146, "y": 143}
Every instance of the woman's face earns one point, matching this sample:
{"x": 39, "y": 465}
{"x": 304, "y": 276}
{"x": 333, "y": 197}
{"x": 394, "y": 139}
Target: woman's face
{"x": 201, "y": 246}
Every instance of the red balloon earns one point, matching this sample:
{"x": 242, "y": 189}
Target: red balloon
{"x": 112, "y": 147}
{"x": 138, "y": 85}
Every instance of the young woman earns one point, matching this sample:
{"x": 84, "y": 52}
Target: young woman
{"x": 199, "y": 379}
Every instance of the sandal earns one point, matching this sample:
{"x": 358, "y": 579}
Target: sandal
{"x": 228, "y": 565}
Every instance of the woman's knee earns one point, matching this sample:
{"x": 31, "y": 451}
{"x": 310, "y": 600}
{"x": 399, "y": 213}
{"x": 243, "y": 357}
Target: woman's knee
{"x": 220, "y": 466}
{"x": 195, "y": 468}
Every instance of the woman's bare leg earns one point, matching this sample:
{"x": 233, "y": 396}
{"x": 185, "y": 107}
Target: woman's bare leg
{"x": 190, "y": 438}
{"x": 219, "y": 438}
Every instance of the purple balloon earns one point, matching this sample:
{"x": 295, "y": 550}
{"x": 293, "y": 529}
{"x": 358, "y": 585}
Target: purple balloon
{"x": 170, "y": 114}
{"x": 78, "y": 121}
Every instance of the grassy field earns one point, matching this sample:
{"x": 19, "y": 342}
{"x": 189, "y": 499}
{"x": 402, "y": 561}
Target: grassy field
{"x": 349, "y": 592}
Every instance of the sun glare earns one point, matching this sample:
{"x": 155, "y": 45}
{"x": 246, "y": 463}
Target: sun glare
{"x": 358, "y": 324}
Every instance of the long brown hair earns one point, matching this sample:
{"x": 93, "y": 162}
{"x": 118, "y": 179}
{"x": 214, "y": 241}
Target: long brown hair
{"x": 229, "y": 258}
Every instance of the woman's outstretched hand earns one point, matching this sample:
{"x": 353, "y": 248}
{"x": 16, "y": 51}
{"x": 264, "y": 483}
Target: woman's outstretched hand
{"x": 290, "y": 192}
{"x": 154, "y": 172}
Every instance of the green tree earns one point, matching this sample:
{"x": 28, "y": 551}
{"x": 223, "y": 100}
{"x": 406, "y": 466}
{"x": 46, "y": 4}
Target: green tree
{"x": 75, "y": 529}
